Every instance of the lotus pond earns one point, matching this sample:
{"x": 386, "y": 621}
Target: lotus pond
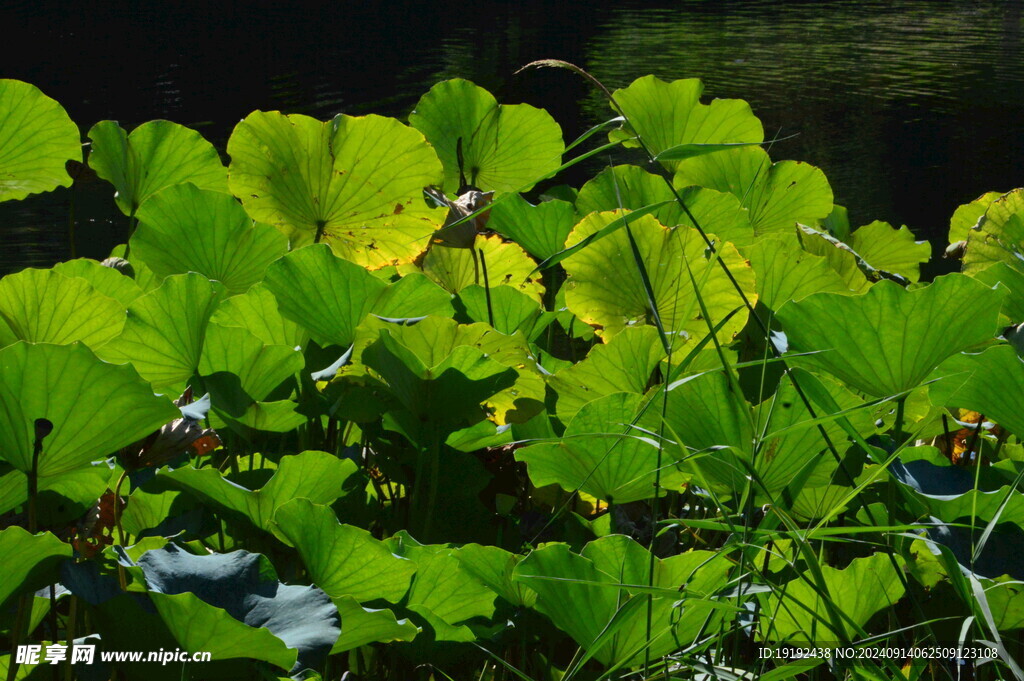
{"x": 380, "y": 399}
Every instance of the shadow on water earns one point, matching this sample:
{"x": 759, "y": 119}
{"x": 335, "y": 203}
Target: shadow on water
{"x": 910, "y": 108}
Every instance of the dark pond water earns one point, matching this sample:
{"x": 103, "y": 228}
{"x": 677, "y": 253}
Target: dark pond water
{"x": 910, "y": 108}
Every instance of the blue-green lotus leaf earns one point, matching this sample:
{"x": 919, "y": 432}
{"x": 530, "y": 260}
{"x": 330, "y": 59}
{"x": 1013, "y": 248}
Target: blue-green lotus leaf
{"x": 187, "y": 229}
{"x": 156, "y": 155}
{"x": 889, "y": 339}
{"x": 667, "y": 115}
{"x": 504, "y": 147}
{"x": 355, "y": 183}
{"x": 245, "y": 586}
{"x": 44, "y": 306}
{"x": 95, "y": 408}
{"x": 37, "y": 139}
{"x": 778, "y": 195}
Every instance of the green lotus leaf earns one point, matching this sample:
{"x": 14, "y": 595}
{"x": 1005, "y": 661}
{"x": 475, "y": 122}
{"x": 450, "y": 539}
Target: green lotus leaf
{"x": 601, "y": 455}
{"x": 778, "y": 195}
{"x": 187, "y": 229}
{"x": 1011, "y": 278}
{"x": 667, "y": 115}
{"x": 670, "y": 256}
{"x": 106, "y": 280}
{"x": 198, "y": 626}
{"x": 30, "y": 561}
{"x": 623, "y": 364}
{"x": 988, "y": 382}
{"x": 355, "y": 183}
{"x": 43, "y": 306}
{"x": 631, "y": 187}
{"x": 837, "y": 223}
{"x": 156, "y": 155}
{"x": 783, "y": 271}
{"x": 712, "y": 425}
{"x": 316, "y": 476}
{"x": 95, "y": 408}
{"x": 414, "y": 295}
{"x": 800, "y": 616}
{"x": 37, "y": 139}
{"x": 504, "y": 147}
{"x": 540, "y": 229}
{"x": 256, "y": 312}
{"x": 323, "y": 293}
{"x": 966, "y": 216}
{"x": 891, "y": 250}
{"x": 840, "y": 257}
{"x": 889, "y": 339}
{"x": 239, "y": 372}
{"x": 581, "y": 594}
{"x": 495, "y": 567}
{"x": 366, "y": 625}
{"x": 147, "y": 511}
{"x": 442, "y": 592}
{"x": 163, "y": 335}
{"x": 341, "y": 559}
{"x": 506, "y": 264}
{"x": 1000, "y": 237}
{"x": 510, "y": 309}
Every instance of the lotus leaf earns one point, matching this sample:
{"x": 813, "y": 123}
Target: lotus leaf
{"x": 778, "y": 195}
{"x": 95, "y": 408}
{"x": 316, "y": 181}
{"x": 988, "y": 382}
{"x": 256, "y": 311}
{"x": 966, "y": 216}
{"x": 1000, "y": 235}
{"x": 105, "y": 280}
{"x": 30, "y": 561}
{"x": 37, "y": 139}
{"x": 670, "y": 256}
{"x": 187, "y": 229}
{"x": 368, "y": 625}
{"x": 783, "y": 271}
{"x": 44, "y": 306}
{"x": 541, "y": 230}
{"x": 492, "y": 262}
{"x": 889, "y": 339}
{"x": 503, "y": 147}
{"x": 841, "y": 258}
{"x": 156, "y": 155}
{"x": 889, "y": 249}
{"x": 163, "y": 335}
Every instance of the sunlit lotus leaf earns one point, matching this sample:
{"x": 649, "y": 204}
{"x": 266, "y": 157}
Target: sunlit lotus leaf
{"x": 602, "y": 455}
{"x": 667, "y": 115}
{"x": 369, "y": 625}
{"x": 239, "y": 372}
{"x": 106, "y": 280}
{"x": 778, "y": 195}
{"x": 443, "y": 592}
{"x": 991, "y": 383}
{"x": 840, "y": 258}
{"x": 95, "y": 408}
{"x": 325, "y": 294}
{"x": 605, "y": 288}
{"x": 510, "y": 309}
{"x": 716, "y": 212}
{"x": 540, "y": 229}
{"x": 1012, "y": 279}
{"x": 581, "y": 594}
{"x": 966, "y": 216}
{"x": 256, "y": 312}
{"x": 495, "y": 567}
{"x": 355, "y": 183}
{"x": 623, "y": 364}
{"x": 889, "y": 249}
{"x": 156, "y": 155}
{"x": 163, "y": 335}
{"x": 43, "y": 306}
{"x": 783, "y": 271}
{"x": 506, "y": 265}
{"x": 1000, "y": 237}
{"x": 314, "y": 476}
{"x": 187, "y": 229}
{"x": 414, "y": 295}
{"x": 341, "y": 559}
{"x": 890, "y": 339}
{"x": 28, "y": 561}
{"x": 37, "y": 139}
{"x": 505, "y": 147}
{"x": 799, "y": 613}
